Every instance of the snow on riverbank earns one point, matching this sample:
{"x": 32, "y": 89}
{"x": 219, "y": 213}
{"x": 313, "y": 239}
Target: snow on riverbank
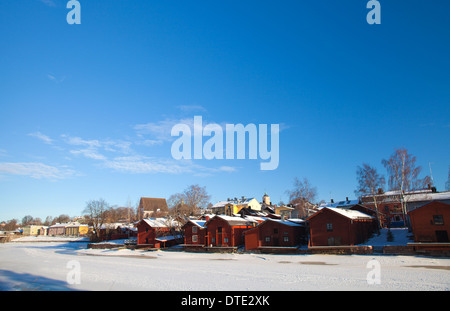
{"x": 400, "y": 236}
{"x": 44, "y": 238}
{"x": 44, "y": 266}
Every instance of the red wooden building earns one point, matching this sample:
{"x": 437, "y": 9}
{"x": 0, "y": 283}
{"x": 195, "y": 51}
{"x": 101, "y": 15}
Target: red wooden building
{"x": 227, "y": 231}
{"x": 368, "y": 211}
{"x": 157, "y": 232}
{"x": 431, "y": 222}
{"x": 276, "y": 233}
{"x": 338, "y": 226}
{"x": 194, "y": 233}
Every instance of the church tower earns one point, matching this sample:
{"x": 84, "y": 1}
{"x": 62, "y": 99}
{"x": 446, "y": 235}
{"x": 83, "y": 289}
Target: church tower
{"x": 266, "y": 199}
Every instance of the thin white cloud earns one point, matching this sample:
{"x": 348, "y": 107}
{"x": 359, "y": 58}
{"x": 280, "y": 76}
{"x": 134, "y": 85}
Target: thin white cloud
{"x": 158, "y": 131}
{"x": 161, "y": 131}
{"x": 89, "y": 153}
{"x": 42, "y": 137}
{"x": 110, "y": 145}
{"x": 36, "y": 170}
{"x": 55, "y": 79}
{"x": 77, "y": 141}
{"x": 227, "y": 169}
{"x": 146, "y": 165}
{"x": 120, "y": 146}
{"x": 148, "y": 142}
{"x": 120, "y": 156}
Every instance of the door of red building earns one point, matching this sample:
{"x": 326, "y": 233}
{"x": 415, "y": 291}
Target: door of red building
{"x": 219, "y": 236}
{"x": 441, "y": 236}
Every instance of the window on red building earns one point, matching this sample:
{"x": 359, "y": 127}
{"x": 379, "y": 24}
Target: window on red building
{"x": 438, "y": 219}
{"x": 329, "y": 227}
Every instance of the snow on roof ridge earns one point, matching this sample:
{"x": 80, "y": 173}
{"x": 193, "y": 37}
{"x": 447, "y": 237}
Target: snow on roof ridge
{"x": 352, "y": 214}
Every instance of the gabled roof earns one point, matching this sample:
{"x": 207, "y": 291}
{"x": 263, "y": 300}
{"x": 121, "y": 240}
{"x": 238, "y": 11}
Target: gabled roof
{"x": 198, "y": 223}
{"x": 432, "y": 204}
{"x": 291, "y": 223}
{"x": 410, "y": 196}
{"x": 234, "y": 221}
{"x": 429, "y": 196}
{"x": 351, "y": 214}
{"x": 220, "y": 204}
{"x": 341, "y": 204}
{"x": 64, "y": 225}
{"x": 153, "y": 204}
{"x": 160, "y": 222}
{"x": 168, "y": 238}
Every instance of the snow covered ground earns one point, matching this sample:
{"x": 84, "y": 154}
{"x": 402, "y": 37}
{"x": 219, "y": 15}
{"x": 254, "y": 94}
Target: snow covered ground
{"x": 45, "y": 238}
{"x": 71, "y": 266}
{"x": 400, "y": 236}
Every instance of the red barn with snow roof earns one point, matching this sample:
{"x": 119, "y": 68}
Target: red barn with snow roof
{"x": 338, "y": 226}
{"x": 151, "y": 229}
{"x": 227, "y": 231}
{"x": 194, "y": 233}
{"x": 276, "y": 233}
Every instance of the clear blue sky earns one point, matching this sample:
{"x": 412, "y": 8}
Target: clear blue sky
{"x": 86, "y": 110}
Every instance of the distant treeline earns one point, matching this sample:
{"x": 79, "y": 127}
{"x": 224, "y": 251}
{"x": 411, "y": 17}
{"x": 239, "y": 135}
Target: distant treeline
{"x": 113, "y": 214}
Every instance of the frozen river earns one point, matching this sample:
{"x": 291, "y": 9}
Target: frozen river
{"x": 70, "y": 266}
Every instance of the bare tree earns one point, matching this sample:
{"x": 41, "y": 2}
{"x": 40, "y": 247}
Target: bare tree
{"x": 37, "y": 221}
{"x": 63, "y": 218}
{"x": 11, "y": 225}
{"x": 48, "y": 221}
{"x": 96, "y": 210}
{"x": 177, "y": 206}
{"x": 190, "y": 202}
{"x": 196, "y": 198}
{"x": 120, "y": 214}
{"x": 27, "y": 220}
{"x": 370, "y": 183}
{"x": 403, "y": 175}
{"x": 302, "y": 196}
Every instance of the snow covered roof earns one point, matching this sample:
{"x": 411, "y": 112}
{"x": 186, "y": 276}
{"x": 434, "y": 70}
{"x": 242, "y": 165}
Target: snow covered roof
{"x": 160, "y": 222}
{"x": 64, "y": 225}
{"x": 199, "y": 223}
{"x": 350, "y": 213}
{"x": 288, "y": 222}
{"x": 220, "y": 204}
{"x": 341, "y": 204}
{"x": 428, "y": 196}
{"x": 236, "y": 221}
{"x": 76, "y": 225}
{"x": 258, "y": 219}
{"x": 297, "y": 221}
{"x": 168, "y": 238}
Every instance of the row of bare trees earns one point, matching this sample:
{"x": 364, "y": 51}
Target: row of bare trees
{"x": 403, "y": 175}
{"x": 98, "y": 212}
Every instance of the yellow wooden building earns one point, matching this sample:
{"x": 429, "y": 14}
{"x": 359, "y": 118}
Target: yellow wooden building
{"x": 234, "y": 206}
{"x": 76, "y": 229}
{"x": 35, "y": 230}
